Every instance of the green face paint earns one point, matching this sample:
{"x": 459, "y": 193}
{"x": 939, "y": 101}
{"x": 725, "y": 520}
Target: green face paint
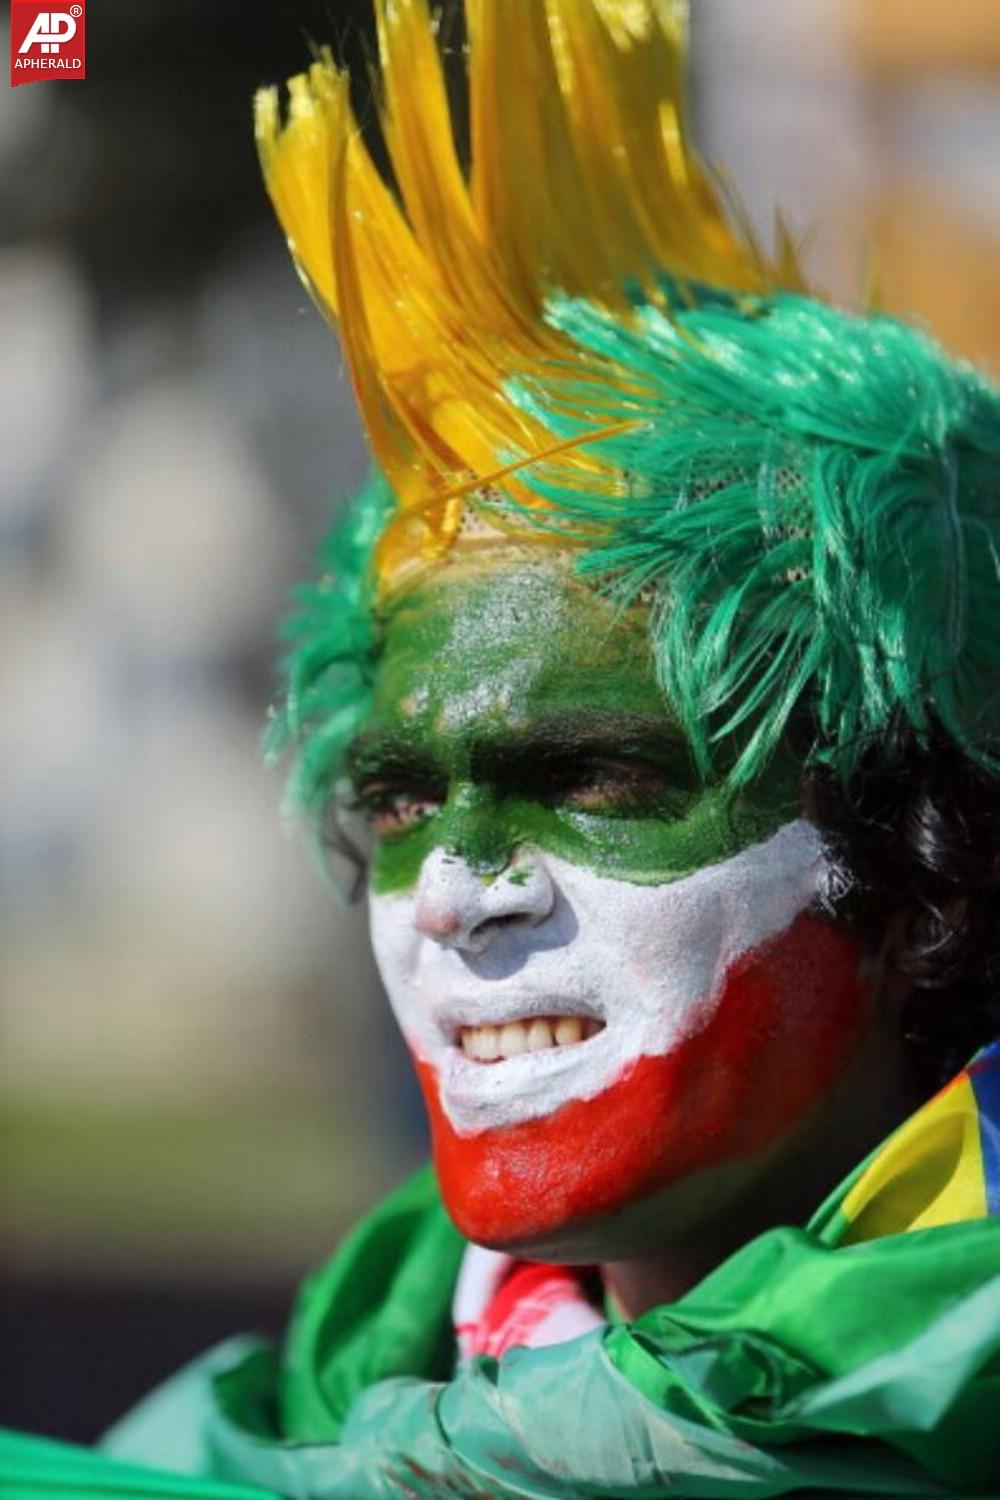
{"x": 513, "y": 707}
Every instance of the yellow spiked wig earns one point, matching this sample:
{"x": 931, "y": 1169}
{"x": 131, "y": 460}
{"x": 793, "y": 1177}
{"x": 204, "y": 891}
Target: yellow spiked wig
{"x": 582, "y": 182}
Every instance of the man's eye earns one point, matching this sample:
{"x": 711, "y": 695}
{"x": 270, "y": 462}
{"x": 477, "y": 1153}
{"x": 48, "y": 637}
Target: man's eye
{"x": 611, "y": 787}
{"x": 388, "y": 810}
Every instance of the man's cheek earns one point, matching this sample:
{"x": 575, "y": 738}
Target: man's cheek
{"x": 787, "y": 1019}
{"x": 396, "y": 947}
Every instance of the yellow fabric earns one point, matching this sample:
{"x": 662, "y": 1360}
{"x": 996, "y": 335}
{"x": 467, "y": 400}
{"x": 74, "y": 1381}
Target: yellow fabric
{"x": 930, "y": 1171}
{"x": 582, "y": 180}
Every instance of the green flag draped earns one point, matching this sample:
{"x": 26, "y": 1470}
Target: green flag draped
{"x": 813, "y": 1361}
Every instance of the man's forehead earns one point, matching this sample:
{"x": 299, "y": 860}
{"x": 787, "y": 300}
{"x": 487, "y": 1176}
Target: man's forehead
{"x": 488, "y": 604}
{"x": 507, "y": 647}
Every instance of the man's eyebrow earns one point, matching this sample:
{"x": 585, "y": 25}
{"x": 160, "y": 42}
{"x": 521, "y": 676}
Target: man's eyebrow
{"x": 384, "y": 753}
{"x": 584, "y": 731}
{"x": 512, "y": 748}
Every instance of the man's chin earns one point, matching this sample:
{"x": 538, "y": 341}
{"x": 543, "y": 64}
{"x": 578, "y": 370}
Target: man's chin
{"x": 677, "y": 1214}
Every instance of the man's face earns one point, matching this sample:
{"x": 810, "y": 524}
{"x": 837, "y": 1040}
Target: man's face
{"x": 607, "y": 972}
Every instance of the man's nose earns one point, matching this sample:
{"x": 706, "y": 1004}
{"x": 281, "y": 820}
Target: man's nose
{"x": 459, "y": 909}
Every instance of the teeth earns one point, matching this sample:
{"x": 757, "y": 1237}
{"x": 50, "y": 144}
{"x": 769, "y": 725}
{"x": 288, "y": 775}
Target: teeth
{"x": 513, "y": 1039}
{"x": 487, "y": 1044}
{"x": 539, "y": 1035}
{"x": 569, "y": 1029}
{"x": 496, "y": 1043}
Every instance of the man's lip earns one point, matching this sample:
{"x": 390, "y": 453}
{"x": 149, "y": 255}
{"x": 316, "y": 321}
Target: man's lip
{"x": 453, "y": 1016}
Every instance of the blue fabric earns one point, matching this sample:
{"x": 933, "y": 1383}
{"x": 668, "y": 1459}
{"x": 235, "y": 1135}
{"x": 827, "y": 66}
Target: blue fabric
{"x": 984, "y": 1075}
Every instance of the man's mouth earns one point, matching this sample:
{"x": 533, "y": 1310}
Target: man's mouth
{"x": 491, "y": 1044}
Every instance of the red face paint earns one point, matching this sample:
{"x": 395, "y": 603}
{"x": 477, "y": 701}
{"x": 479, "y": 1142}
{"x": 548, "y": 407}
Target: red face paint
{"x": 784, "y": 1027}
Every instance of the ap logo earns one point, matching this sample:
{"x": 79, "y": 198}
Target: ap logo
{"x": 50, "y": 29}
{"x": 46, "y": 43}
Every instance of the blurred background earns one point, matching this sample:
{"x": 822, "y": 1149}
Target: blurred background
{"x": 201, "y": 1087}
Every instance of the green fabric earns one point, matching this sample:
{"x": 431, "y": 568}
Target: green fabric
{"x": 33, "y": 1468}
{"x": 796, "y": 1367}
{"x": 381, "y": 1307}
{"x": 907, "y": 1348}
{"x": 868, "y": 1369}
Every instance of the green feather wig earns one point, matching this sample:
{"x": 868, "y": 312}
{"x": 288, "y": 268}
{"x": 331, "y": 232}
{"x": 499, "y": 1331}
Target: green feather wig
{"x": 810, "y": 503}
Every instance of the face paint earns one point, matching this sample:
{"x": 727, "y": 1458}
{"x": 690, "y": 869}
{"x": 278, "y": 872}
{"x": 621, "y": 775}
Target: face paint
{"x": 642, "y": 962}
{"x": 511, "y": 707}
{"x": 549, "y": 863}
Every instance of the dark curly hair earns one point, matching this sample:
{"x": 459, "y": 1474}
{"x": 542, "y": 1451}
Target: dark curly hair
{"x": 916, "y": 829}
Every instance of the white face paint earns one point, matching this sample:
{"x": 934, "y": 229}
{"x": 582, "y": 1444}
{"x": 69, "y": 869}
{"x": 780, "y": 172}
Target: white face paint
{"x": 549, "y": 938}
